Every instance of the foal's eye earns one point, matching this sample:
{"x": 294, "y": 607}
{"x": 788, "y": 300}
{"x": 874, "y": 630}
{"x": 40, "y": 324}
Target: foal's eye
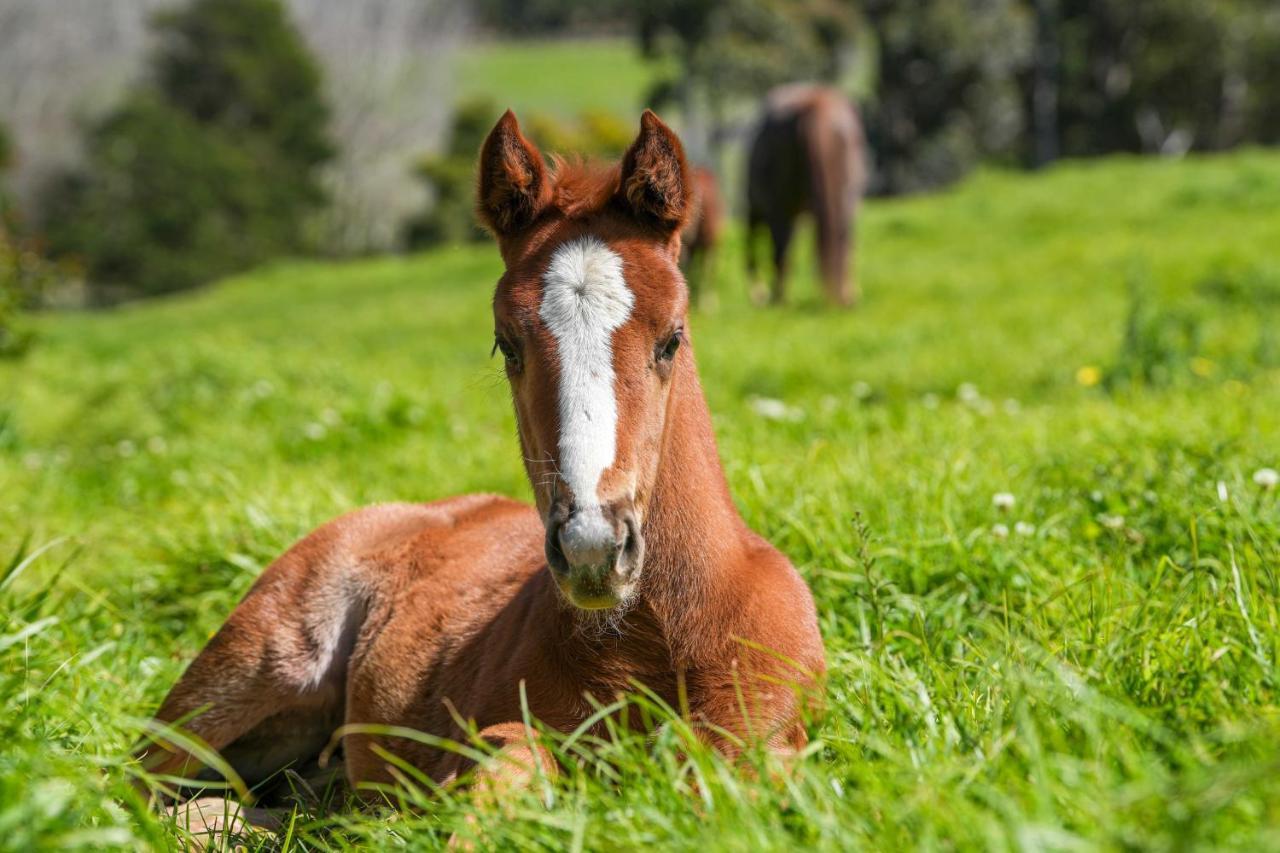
{"x": 668, "y": 349}
{"x": 508, "y": 351}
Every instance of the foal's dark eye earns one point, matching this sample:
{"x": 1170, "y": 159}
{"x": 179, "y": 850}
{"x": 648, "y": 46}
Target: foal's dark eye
{"x": 668, "y": 350}
{"x": 508, "y": 351}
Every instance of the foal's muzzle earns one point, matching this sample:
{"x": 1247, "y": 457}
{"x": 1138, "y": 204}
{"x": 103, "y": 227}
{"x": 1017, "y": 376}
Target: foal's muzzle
{"x": 595, "y": 553}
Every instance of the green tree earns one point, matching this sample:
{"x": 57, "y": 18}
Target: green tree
{"x": 946, "y": 93}
{"x": 211, "y": 166}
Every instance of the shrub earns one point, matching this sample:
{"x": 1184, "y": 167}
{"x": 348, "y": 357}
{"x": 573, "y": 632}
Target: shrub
{"x": 210, "y": 168}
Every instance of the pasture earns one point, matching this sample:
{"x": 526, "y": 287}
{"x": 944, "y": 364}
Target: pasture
{"x": 1087, "y": 660}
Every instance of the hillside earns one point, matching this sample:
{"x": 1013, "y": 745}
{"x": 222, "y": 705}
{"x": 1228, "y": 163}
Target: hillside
{"x": 1094, "y": 665}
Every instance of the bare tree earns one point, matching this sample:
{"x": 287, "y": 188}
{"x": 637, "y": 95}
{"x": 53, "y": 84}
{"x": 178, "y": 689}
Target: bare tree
{"x": 388, "y": 70}
{"x": 387, "y": 67}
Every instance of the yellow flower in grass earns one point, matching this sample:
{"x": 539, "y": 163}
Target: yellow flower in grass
{"x": 1088, "y": 376}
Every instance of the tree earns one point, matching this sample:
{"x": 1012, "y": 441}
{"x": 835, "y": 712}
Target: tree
{"x": 946, "y": 93}
{"x": 210, "y": 167}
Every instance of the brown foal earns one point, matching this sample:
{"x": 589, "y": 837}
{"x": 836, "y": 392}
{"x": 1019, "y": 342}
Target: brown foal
{"x": 634, "y": 567}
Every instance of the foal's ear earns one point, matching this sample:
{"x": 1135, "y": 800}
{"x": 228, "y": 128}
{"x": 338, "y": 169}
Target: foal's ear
{"x": 513, "y": 187}
{"x": 655, "y": 183}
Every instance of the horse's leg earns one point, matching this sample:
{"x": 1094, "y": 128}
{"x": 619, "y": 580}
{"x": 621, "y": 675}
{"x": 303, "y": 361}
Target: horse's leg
{"x": 781, "y": 227}
{"x": 267, "y": 689}
{"x": 833, "y": 256}
{"x": 755, "y": 287}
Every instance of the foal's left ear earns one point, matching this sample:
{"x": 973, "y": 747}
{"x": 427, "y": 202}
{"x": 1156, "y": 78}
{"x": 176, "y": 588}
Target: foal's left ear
{"x": 655, "y": 185}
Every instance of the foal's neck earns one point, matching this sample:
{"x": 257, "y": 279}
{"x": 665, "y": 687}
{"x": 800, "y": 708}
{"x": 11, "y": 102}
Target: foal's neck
{"x": 693, "y": 533}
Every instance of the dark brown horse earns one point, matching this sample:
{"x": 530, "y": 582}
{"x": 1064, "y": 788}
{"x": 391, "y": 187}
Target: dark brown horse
{"x": 807, "y": 156}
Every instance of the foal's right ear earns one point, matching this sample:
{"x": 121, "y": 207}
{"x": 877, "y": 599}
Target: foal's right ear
{"x": 513, "y": 187}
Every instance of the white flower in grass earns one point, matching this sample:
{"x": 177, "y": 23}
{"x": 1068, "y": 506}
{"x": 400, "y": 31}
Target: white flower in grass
{"x": 1223, "y": 494}
{"x": 861, "y": 390}
{"x": 1023, "y": 528}
{"x": 314, "y": 431}
{"x": 1111, "y": 522}
{"x": 126, "y": 448}
{"x": 968, "y": 393}
{"x": 1003, "y": 501}
{"x": 775, "y": 410}
{"x": 1000, "y": 531}
{"x": 1267, "y": 478}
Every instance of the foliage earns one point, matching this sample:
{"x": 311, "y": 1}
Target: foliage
{"x": 1091, "y": 667}
{"x": 24, "y": 272}
{"x": 211, "y": 167}
{"x": 1165, "y": 76}
{"x": 946, "y": 94}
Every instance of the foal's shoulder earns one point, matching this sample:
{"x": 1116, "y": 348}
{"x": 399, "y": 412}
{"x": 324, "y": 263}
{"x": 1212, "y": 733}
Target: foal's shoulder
{"x": 777, "y": 609}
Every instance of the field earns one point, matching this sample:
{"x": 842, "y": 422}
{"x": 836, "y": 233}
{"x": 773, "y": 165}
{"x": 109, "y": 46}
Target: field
{"x": 561, "y": 77}
{"x": 1087, "y": 661}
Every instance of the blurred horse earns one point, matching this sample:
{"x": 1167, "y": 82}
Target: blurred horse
{"x": 702, "y": 232}
{"x": 808, "y": 155}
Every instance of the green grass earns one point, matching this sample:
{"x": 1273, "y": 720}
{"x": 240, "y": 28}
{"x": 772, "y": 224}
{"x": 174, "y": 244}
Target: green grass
{"x": 1103, "y": 675}
{"x": 561, "y": 77}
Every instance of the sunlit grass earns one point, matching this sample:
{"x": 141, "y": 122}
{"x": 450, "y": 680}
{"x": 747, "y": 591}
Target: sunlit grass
{"x": 1090, "y": 661}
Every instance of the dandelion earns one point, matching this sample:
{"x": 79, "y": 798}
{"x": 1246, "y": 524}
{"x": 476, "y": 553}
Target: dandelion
{"x": 1003, "y": 501}
{"x": 1088, "y": 376}
{"x": 1267, "y": 478}
{"x": 968, "y": 393}
{"x": 775, "y": 410}
{"x": 1024, "y": 528}
{"x": 1111, "y": 522}
{"x": 1000, "y": 531}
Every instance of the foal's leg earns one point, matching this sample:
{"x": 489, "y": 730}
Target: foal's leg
{"x": 267, "y": 689}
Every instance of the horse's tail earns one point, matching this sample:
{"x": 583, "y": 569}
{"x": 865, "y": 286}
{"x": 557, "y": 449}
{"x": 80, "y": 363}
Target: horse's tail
{"x": 833, "y": 141}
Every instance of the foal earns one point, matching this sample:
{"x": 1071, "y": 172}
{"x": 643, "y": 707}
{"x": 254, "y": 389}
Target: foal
{"x": 634, "y": 567}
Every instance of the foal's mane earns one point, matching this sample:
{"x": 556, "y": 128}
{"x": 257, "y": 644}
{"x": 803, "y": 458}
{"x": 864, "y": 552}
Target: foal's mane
{"x": 581, "y": 187}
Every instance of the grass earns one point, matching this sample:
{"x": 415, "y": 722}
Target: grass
{"x": 560, "y": 77}
{"x": 1093, "y": 667}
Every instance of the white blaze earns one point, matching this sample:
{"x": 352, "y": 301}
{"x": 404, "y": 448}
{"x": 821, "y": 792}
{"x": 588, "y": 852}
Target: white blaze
{"x": 584, "y": 299}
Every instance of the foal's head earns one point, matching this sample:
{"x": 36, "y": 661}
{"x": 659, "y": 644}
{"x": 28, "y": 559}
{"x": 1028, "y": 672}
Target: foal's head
{"x": 590, "y": 317}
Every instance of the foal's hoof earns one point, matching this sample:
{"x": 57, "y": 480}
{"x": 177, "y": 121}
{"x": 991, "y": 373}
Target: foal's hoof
{"x": 217, "y": 822}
